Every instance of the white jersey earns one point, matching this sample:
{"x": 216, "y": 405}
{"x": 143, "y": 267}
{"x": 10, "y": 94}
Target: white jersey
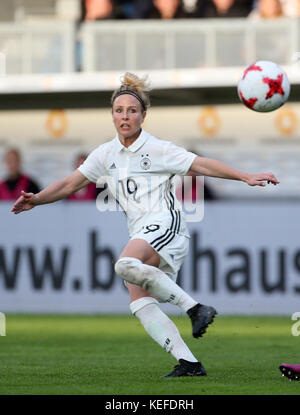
{"x": 141, "y": 179}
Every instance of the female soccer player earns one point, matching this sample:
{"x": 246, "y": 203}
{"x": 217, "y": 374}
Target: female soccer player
{"x": 140, "y": 170}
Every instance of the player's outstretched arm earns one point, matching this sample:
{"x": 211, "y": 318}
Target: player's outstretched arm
{"x": 215, "y": 168}
{"x": 52, "y": 193}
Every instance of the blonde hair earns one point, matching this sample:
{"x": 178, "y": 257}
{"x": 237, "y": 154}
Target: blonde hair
{"x": 133, "y": 85}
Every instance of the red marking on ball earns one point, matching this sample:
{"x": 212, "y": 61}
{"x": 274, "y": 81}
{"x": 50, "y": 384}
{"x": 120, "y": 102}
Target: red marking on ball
{"x": 252, "y": 68}
{"x": 275, "y": 86}
{"x": 248, "y": 102}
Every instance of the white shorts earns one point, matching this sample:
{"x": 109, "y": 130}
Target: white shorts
{"x": 170, "y": 246}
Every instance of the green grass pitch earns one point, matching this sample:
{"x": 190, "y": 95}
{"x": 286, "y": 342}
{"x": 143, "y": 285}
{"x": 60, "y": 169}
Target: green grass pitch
{"x": 112, "y": 355}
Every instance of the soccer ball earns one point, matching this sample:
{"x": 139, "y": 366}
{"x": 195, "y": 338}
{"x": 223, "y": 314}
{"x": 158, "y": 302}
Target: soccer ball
{"x": 263, "y": 86}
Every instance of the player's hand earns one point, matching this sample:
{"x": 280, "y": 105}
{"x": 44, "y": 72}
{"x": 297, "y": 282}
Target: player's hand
{"x": 261, "y": 179}
{"x": 26, "y": 201}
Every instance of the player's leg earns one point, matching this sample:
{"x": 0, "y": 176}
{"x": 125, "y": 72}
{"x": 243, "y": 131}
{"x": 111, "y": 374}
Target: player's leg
{"x": 162, "y": 329}
{"x": 157, "y": 324}
{"x": 138, "y": 265}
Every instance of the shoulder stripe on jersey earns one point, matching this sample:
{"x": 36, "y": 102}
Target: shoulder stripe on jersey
{"x": 172, "y": 223}
{"x": 176, "y": 213}
{"x": 164, "y": 239}
{"x": 168, "y": 201}
{"x": 177, "y": 222}
{"x": 179, "y": 219}
{"x": 172, "y": 199}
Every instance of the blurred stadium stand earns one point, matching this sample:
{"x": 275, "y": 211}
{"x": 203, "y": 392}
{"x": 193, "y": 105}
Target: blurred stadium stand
{"x": 52, "y": 61}
{"x": 44, "y": 46}
{"x": 37, "y": 47}
{"x": 25, "y": 10}
{"x": 190, "y": 43}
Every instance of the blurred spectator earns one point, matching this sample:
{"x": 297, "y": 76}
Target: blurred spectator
{"x": 142, "y": 9}
{"x": 291, "y": 8}
{"x": 166, "y": 9}
{"x": 89, "y": 192}
{"x": 112, "y": 9}
{"x": 153, "y": 9}
{"x": 193, "y": 8}
{"x": 267, "y": 9}
{"x": 11, "y": 186}
{"x": 125, "y": 9}
{"x": 146, "y": 9}
{"x": 227, "y": 8}
{"x": 97, "y": 10}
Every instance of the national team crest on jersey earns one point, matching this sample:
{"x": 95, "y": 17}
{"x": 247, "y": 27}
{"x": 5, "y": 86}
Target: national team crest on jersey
{"x": 145, "y": 162}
